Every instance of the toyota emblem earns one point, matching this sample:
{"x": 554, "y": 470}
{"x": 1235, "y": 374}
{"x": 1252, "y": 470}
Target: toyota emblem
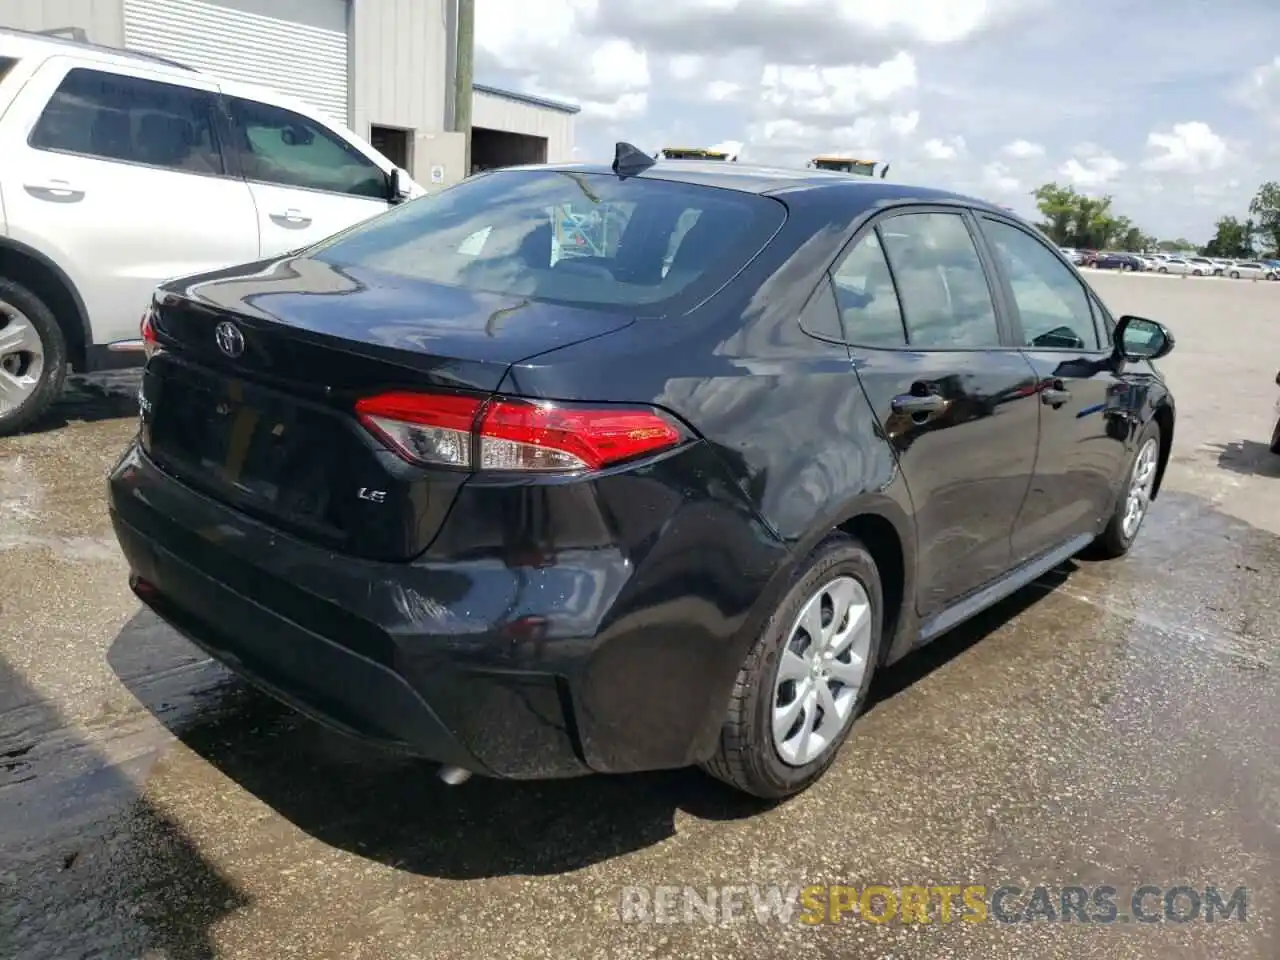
{"x": 229, "y": 338}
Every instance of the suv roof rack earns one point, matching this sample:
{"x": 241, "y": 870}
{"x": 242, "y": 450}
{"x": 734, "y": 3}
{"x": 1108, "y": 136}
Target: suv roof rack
{"x": 76, "y": 37}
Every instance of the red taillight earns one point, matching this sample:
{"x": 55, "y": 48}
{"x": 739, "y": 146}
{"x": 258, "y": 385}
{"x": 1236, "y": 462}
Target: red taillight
{"x": 150, "y": 342}
{"x": 511, "y": 434}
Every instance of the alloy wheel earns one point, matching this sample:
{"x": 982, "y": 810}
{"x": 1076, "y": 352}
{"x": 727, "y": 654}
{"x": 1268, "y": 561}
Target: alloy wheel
{"x": 1141, "y": 483}
{"x": 21, "y": 358}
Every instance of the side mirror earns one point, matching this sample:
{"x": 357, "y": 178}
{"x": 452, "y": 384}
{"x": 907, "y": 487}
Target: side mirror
{"x": 1140, "y": 339}
{"x": 398, "y": 185}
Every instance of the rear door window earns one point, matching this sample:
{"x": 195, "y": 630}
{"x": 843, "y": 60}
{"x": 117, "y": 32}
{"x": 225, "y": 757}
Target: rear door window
{"x": 585, "y": 239}
{"x": 114, "y": 117}
{"x": 869, "y": 307}
{"x": 941, "y": 282}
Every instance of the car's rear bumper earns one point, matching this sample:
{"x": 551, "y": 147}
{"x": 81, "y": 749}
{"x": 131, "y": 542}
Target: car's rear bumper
{"x": 553, "y": 670}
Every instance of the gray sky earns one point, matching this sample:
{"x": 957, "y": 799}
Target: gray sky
{"x": 1171, "y": 106}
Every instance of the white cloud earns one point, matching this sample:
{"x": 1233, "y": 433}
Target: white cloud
{"x": 998, "y": 178}
{"x": 1261, "y": 88}
{"x": 1022, "y": 150}
{"x": 1190, "y": 147}
{"x": 610, "y": 78}
{"x": 948, "y": 149}
{"x": 1092, "y": 167}
{"x": 836, "y": 91}
{"x": 904, "y": 124}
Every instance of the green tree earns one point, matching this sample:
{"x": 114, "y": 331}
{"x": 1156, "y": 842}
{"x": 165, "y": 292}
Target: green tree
{"x": 1058, "y": 206}
{"x": 1265, "y": 207}
{"x": 1231, "y": 238}
{"x": 1075, "y": 219}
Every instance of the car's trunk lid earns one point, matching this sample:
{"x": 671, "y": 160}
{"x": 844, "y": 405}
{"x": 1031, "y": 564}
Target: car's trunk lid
{"x": 262, "y": 417}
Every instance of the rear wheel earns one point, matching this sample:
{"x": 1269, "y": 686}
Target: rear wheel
{"x": 33, "y": 357}
{"x": 1163, "y": 270}
{"x": 807, "y": 676}
{"x": 1235, "y": 274}
{"x": 1134, "y": 501}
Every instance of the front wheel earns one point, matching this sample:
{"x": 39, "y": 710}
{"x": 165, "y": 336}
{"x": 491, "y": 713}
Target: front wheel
{"x": 806, "y": 677}
{"x": 1134, "y": 500}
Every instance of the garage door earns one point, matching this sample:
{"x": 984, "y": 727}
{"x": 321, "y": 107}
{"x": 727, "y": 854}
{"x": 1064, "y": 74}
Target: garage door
{"x": 297, "y": 48}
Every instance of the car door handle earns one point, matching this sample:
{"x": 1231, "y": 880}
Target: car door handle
{"x": 921, "y": 406}
{"x": 56, "y": 191}
{"x": 1054, "y": 394}
{"x": 291, "y": 218}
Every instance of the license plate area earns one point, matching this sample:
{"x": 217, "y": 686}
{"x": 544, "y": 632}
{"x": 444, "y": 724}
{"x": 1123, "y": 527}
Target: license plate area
{"x": 255, "y": 448}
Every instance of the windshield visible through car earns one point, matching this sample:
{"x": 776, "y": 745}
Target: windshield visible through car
{"x": 589, "y": 240}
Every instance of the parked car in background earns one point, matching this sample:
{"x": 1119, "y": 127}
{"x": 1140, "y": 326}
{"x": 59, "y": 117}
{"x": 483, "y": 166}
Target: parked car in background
{"x": 846, "y": 416}
{"x": 1222, "y": 266}
{"x": 1118, "y": 261}
{"x": 1202, "y": 266}
{"x": 1180, "y": 266}
{"x": 1252, "y": 270}
{"x": 119, "y": 171}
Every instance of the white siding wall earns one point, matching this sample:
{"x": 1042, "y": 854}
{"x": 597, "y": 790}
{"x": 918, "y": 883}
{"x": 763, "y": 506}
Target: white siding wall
{"x": 400, "y": 49}
{"x": 514, "y": 116}
{"x": 102, "y": 20}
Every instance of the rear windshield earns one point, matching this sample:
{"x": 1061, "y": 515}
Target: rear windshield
{"x": 6, "y": 64}
{"x": 589, "y": 240}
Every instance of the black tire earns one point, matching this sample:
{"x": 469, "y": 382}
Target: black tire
{"x": 49, "y": 387}
{"x": 1163, "y": 270}
{"x": 1112, "y": 543}
{"x": 1275, "y": 439}
{"x": 1235, "y": 274}
{"x": 746, "y": 758}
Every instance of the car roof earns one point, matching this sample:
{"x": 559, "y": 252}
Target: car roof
{"x": 769, "y": 180}
{"x": 25, "y": 44}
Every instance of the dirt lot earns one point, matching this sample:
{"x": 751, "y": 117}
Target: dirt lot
{"x": 1110, "y": 725}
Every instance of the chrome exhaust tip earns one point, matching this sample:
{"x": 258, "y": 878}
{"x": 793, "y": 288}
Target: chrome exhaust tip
{"x": 454, "y": 776}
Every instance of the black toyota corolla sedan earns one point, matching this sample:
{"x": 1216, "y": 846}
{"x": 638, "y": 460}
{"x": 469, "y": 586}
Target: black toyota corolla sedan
{"x": 576, "y": 468}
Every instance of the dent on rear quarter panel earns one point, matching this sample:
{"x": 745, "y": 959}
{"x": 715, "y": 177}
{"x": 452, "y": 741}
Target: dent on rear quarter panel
{"x": 784, "y": 412}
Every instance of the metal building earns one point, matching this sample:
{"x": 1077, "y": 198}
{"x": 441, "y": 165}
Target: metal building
{"x": 384, "y": 68}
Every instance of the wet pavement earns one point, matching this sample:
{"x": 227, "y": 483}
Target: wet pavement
{"x": 1114, "y": 724}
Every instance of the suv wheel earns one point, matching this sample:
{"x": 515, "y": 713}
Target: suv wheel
{"x": 1134, "y": 500}
{"x": 806, "y": 677}
{"x": 33, "y": 357}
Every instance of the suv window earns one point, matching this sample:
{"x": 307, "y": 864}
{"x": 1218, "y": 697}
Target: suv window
{"x": 1052, "y": 303}
{"x": 644, "y": 242}
{"x": 866, "y": 296}
{"x": 942, "y": 285}
{"x": 115, "y": 117}
{"x": 283, "y": 147}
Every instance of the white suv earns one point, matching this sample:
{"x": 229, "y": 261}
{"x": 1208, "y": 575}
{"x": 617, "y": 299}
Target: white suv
{"x": 119, "y": 171}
